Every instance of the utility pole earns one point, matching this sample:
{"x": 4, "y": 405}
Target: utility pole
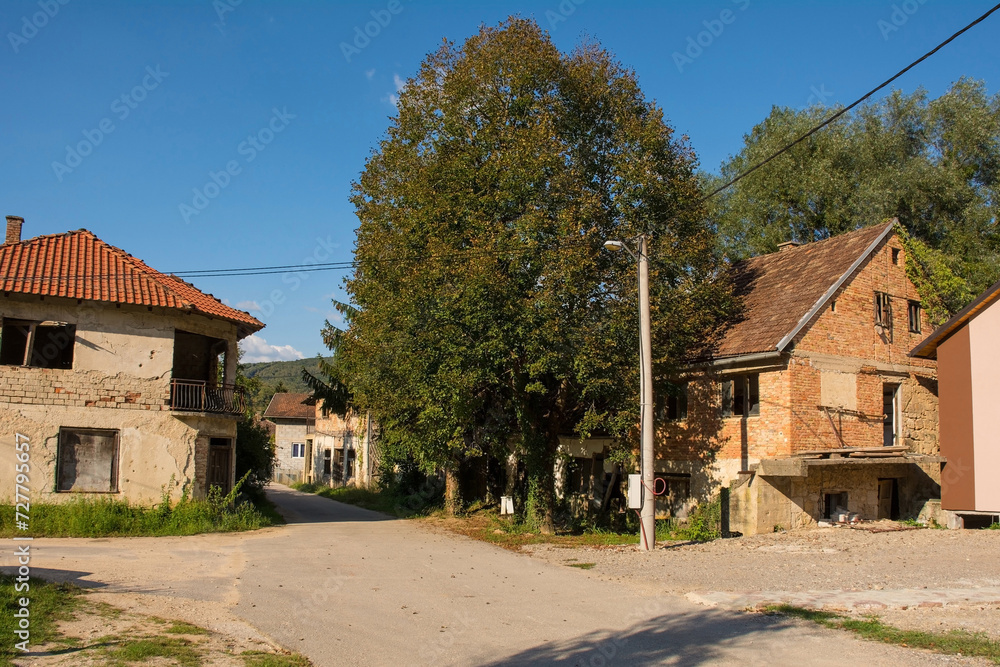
{"x": 647, "y": 513}
{"x": 647, "y": 516}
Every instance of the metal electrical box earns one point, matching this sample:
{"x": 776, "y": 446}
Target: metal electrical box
{"x": 635, "y": 492}
{"x": 506, "y": 505}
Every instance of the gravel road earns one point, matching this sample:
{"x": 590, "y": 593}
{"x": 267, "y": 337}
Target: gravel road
{"x": 346, "y": 586}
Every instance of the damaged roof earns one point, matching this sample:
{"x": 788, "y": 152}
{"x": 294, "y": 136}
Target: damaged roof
{"x": 781, "y": 292}
{"x": 291, "y": 406}
{"x": 78, "y": 265}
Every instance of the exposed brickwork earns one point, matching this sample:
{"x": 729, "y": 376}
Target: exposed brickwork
{"x": 843, "y": 341}
{"x": 43, "y": 386}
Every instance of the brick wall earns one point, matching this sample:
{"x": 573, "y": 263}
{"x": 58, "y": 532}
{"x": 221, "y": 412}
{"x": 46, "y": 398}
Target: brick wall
{"x": 43, "y": 386}
{"x": 843, "y": 341}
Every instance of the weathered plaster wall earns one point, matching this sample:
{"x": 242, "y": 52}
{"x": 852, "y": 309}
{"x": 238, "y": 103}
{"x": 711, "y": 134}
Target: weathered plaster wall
{"x": 286, "y": 432}
{"x": 122, "y": 361}
{"x": 157, "y": 450}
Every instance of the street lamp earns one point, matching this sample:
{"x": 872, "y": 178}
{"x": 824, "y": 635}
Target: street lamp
{"x": 647, "y": 513}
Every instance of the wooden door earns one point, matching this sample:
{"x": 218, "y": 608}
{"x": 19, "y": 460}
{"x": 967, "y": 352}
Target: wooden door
{"x": 220, "y": 464}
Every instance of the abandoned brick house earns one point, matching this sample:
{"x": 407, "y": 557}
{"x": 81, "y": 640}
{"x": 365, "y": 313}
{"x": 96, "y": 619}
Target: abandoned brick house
{"x": 314, "y": 444}
{"x": 968, "y": 367}
{"x": 809, "y": 401}
{"x": 119, "y": 377}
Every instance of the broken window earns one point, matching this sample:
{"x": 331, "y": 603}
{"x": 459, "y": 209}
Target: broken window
{"x": 327, "y": 461}
{"x": 741, "y": 396}
{"x": 198, "y": 358}
{"x": 87, "y": 460}
{"x": 913, "y": 310}
{"x": 38, "y": 344}
{"x": 676, "y": 491}
{"x": 883, "y": 310}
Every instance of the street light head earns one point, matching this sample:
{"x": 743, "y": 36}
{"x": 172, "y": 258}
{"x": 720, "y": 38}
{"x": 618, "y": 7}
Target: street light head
{"x": 614, "y": 245}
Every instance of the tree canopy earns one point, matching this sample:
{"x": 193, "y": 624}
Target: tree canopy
{"x": 932, "y": 163}
{"x": 489, "y": 316}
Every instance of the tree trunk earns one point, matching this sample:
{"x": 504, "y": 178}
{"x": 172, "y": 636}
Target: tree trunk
{"x": 452, "y": 488}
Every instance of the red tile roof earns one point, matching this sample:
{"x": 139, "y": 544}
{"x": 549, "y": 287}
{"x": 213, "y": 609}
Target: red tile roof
{"x": 778, "y": 290}
{"x": 78, "y": 265}
{"x": 291, "y": 406}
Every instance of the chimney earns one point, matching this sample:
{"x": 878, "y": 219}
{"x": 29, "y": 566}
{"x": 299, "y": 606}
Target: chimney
{"x": 14, "y": 223}
{"x": 788, "y": 245}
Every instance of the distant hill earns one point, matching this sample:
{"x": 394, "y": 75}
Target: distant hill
{"x": 287, "y": 372}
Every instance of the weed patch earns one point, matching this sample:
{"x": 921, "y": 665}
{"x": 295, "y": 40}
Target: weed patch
{"x": 112, "y": 517}
{"x": 254, "y": 659}
{"x": 955, "y": 642}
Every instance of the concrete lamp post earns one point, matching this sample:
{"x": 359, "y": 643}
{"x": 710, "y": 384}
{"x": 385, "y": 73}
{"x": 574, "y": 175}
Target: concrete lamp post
{"x": 647, "y": 514}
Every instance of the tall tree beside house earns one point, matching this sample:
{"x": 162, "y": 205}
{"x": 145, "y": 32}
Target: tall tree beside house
{"x": 932, "y": 163}
{"x": 488, "y": 313}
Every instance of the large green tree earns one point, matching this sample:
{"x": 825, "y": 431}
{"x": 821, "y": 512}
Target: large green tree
{"x": 489, "y": 316}
{"x": 933, "y": 163}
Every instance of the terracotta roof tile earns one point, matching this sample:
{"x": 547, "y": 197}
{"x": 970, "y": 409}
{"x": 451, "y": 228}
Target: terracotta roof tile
{"x": 78, "y": 265}
{"x": 291, "y": 406}
{"x": 780, "y": 288}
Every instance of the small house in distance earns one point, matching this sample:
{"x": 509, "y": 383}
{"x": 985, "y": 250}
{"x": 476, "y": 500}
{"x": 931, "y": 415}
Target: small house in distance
{"x": 316, "y": 445}
{"x": 968, "y": 366}
{"x": 118, "y": 377}
{"x": 809, "y": 403}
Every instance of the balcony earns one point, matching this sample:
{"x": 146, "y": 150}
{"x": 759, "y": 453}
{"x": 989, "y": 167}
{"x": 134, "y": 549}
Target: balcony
{"x": 197, "y": 396}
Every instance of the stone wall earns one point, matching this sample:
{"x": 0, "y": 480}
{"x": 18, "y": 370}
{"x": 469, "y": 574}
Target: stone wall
{"x": 760, "y": 504}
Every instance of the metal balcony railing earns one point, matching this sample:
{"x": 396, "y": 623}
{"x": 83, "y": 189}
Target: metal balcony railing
{"x": 197, "y": 396}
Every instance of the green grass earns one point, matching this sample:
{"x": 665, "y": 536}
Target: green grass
{"x": 50, "y": 603}
{"x": 954, "y": 642}
{"x": 255, "y": 659}
{"x": 184, "y": 628}
{"x": 112, "y": 517}
{"x": 583, "y": 566}
{"x": 141, "y": 649}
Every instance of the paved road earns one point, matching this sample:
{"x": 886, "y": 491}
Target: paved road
{"x": 346, "y": 586}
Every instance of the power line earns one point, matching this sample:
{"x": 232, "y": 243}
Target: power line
{"x": 348, "y": 265}
{"x": 840, "y": 113}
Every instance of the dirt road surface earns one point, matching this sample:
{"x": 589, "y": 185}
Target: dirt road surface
{"x": 346, "y": 586}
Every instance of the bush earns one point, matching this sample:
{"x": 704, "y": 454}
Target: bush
{"x": 255, "y": 455}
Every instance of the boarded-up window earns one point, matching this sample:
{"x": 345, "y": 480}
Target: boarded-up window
{"x": 838, "y": 390}
{"x": 88, "y": 460}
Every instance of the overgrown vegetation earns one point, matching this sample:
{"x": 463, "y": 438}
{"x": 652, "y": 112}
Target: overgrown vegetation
{"x": 955, "y": 642}
{"x": 113, "y": 517}
{"x": 50, "y": 603}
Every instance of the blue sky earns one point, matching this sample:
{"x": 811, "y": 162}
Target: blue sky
{"x": 226, "y": 133}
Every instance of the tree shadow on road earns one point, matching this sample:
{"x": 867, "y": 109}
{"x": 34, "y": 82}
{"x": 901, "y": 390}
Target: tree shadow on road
{"x": 689, "y": 639}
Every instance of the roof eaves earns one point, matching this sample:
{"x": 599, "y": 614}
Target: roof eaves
{"x": 828, "y": 294}
{"x": 929, "y": 346}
